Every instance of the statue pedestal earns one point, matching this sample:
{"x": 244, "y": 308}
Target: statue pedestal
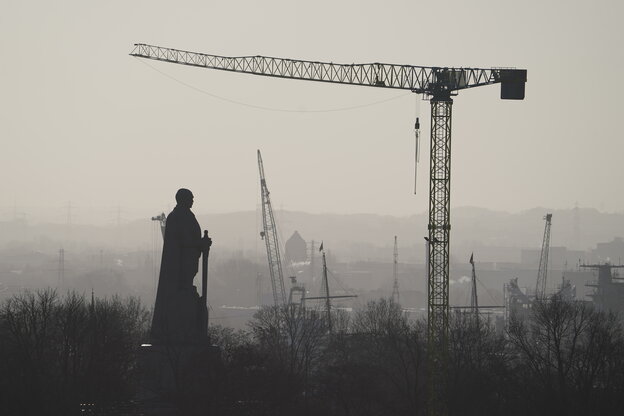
{"x": 179, "y": 379}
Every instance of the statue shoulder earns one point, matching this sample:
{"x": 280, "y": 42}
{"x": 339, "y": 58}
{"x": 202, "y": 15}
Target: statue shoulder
{"x": 182, "y": 217}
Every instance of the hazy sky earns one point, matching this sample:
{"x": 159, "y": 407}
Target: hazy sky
{"x": 82, "y": 121}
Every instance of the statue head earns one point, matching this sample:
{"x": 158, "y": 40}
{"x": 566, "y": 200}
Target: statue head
{"x": 184, "y": 198}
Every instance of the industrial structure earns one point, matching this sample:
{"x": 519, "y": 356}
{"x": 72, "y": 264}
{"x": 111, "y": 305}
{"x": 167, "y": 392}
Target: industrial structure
{"x": 269, "y": 235}
{"x": 438, "y": 84}
{"x": 567, "y": 291}
{"x": 518, "y": 301}
{"x": 61, "y": 268}
{"x": 608, "y": 288}
{"x": 297, "y": 293}
{"x": 542, "y": 272}
{"x": 474, "y": 300}
{"x": 162, "y": 220}
{"x": 325, "y": 293}
{"x": 395, "y": 272}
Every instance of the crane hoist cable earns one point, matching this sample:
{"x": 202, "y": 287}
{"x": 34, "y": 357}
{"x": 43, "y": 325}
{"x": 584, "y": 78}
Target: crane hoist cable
{"x": 417, "y": 142}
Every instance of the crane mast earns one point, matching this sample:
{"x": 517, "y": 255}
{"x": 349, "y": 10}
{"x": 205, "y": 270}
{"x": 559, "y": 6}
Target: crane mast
{"x": 327, "y": 295}
{"x": 474, "y": 301}
{"x": 269, "y": 234}
{"x": 542, "y": 272}
{"x": 395, "y": 272}
{"x": 439, "y": 84}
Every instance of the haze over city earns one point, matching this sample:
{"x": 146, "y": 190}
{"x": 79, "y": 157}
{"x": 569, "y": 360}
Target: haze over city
{"x": 85, "y": 123}
{"x": 180, "y": 236}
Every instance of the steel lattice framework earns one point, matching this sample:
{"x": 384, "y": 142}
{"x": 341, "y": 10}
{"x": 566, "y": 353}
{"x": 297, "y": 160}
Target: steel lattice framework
{"x": 437, "y": 83}
{"x": 420, "y": 79}
{"x": 542, "y": 272}
{"x": 474, "y": 299}
{"x": 439, "y": 236}
{"x": 269, "y": 234}
{"x": 395, "y": 272}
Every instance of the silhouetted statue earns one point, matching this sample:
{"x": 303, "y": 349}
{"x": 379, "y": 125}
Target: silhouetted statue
{"x": 179, "y": 311}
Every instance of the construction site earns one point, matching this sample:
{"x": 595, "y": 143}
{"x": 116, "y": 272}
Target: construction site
{"x": 322, "y": 209}
{"x": 409, "y": 304}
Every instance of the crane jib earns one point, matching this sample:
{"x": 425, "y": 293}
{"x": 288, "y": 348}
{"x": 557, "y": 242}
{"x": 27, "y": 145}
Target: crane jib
{"x": 419, "y": 79}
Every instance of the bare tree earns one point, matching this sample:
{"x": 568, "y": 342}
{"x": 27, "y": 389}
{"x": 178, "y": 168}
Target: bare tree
{"x": 292, "y": 340}
{"x": 376, "y": 368}
{"x": 60, "y": 352}
{"x": 478, "y": 367}
{"x": 569, "y": 355}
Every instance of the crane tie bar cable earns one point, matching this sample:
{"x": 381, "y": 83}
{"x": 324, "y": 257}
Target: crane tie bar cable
{"x": 273, "y": 109}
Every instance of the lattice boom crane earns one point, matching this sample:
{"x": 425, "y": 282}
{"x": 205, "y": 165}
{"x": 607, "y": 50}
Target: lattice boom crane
{"x": 395, "y": 272}
{"x": 269, "y": 235}
{"x": 439, "y": 84}
{"x": 542, "y": 272}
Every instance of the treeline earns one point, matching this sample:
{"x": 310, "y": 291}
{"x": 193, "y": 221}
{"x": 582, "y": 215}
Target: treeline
{"x": 57, "y": 353}
{"x": 565, "y": 359}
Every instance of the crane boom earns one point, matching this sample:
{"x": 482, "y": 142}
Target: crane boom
{"x": 419, "y": 79}
{"x": 542, "y": 272}
{"x": 395, "y": 272}
{"x": 269, "y": 234}
{"x": 439, "y": 84}
{"x": 474, "y": 300}
{"x": 327, "y": 295}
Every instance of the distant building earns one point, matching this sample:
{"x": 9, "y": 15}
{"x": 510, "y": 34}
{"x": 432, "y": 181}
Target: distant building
{"x": 612, "y": 252}
{"x": 296, "y": 248}
{"x": 608, "y": 293}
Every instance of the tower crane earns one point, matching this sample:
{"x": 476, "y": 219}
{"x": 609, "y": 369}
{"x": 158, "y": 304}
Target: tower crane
{"x": 162, "y": 220}
{"x": 395, "y": 272}
{"x": 269, "y": 235}
{"x": 439, "y": 85}
{"x": 327, "y": 295}
{"x": 474, "y": 300}
{"x": 542, "y": 272}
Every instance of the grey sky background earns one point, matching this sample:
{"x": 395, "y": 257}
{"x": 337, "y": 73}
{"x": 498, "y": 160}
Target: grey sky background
{"x": 82, "y": 121}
